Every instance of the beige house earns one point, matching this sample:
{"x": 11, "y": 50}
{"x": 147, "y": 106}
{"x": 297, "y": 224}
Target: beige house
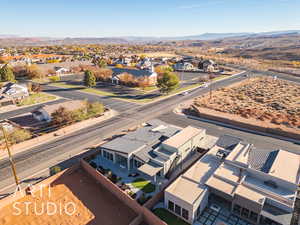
{"x": 260, "y": 185}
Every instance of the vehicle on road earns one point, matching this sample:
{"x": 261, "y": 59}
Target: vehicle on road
{"x": 184, "y": 93}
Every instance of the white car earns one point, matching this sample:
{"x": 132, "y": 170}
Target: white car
{"x": 184, "y": 93}
{"x": 215, "y": 207}
{"x": 205, "y": 85}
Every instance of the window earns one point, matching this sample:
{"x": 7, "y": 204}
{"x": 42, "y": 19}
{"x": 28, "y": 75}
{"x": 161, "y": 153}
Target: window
{"x": 237, "y": 209}
{"x": 171, "y": 206}
{"x": 253, "y": 216}
{"x": 185, "y": 214}
{"x": 178, "y": 210}
{"x": 245, "y": 212}
{"x": 108, "y": 155}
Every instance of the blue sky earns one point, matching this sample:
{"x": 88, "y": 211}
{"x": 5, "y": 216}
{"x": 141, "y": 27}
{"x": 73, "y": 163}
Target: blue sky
{"x": 97, "y": 18}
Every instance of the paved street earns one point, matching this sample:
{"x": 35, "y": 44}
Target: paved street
{"x": 259, "y": 141}
{"x": 74, "y": 94}
{"x": 49, "y": 154}
{"x": 27, "y": 109}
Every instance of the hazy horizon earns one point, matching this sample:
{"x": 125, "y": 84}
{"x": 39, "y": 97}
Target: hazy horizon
{"x": 94, "y": 18}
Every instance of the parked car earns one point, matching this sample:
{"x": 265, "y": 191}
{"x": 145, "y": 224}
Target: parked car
{"x": 215, "y": 207}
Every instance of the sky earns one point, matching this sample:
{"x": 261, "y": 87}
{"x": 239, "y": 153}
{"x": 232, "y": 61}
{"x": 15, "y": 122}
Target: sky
{"x": 114, "y": 18}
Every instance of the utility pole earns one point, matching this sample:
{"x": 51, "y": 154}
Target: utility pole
{"x": 10, "y": 157}
{"x": 210, "y": 88}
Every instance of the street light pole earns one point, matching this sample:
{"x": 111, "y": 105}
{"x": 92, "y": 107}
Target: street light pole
{"x": 10, "y": 157}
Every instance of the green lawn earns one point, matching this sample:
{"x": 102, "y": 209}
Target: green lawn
{"x": 145, "y": 185}
{"x": 36, "y": 98}
{"x": 168, "y": 217}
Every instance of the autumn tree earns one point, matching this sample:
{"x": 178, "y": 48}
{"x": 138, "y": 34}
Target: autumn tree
{"x": 162, "y": 69}
{"x": 167, "y": 82}
{"x": 143, "y": 82}
{"x": 34, "y": 72}
{"x": 102, "y": 63}
{"x": 89, "y": 79}
{"x": 6, "y": 74}
{"x": 61, "y": 116}
{"x": 103, "y": 74}
{"x": 19, "y": 71}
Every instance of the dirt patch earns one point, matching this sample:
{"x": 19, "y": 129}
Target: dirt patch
{"x": 94, "y": 204}
{"x": 267, "y": 102}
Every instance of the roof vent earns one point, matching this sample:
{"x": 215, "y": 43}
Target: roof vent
{"x": 222, "y": 154}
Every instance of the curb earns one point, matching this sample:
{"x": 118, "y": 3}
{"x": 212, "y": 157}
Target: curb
{"x": 179, "y": 112}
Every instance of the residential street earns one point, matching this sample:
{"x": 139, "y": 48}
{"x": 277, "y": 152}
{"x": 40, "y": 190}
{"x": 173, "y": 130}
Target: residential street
{"x": 40, "y": 158}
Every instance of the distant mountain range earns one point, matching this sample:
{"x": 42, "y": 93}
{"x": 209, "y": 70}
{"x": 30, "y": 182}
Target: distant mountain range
{"x": 7, "y": 40}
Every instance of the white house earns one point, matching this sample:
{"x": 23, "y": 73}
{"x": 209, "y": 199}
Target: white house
{"x": 61, "y": 70}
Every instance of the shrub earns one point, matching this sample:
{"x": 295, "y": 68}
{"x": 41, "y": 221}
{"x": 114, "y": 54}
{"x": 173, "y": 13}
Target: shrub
{"x": 19, "y": 135}
{"x": 61, "y": 117}
{"x": 35, "y": 87}
{"x": 95, "y": 108}
{"x": 54, "y": 78}
{"x": 55, "y": 170}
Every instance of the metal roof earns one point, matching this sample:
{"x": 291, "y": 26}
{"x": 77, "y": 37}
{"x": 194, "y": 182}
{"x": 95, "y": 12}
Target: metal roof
{"x": 123, "y": 145}
{"x": 228, "y": 142}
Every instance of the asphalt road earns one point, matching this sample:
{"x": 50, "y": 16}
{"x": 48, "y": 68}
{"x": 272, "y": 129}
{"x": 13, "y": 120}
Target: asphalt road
{"x": 260, "y": 141}
{"x": 52, "y": 153}
{"x": 74, "y": 94}
{"x": 28, "y": 109}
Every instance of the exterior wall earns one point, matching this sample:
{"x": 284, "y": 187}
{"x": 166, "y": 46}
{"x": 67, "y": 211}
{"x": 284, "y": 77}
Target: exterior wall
{"x": 200, "y": 204}
{"x": 181, "y": 203}
{"x": 221, "y": 194}
{"x": 248, "y": 204}
{"x": 148, "y": 216}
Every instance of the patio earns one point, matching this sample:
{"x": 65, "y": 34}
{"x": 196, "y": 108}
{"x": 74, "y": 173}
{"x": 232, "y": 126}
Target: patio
{"x": 136, "y": 191}
{"x": 212, "y": 217}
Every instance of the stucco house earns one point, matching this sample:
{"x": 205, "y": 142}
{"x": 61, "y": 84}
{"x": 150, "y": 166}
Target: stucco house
{"x": 183, "y": 66}
{"x": 150, "y": 74}
{"x": 10, "y": 93}
{"x": 258, "y": 185}
{"x": 43, "y": 113}
{"x": 208, "y": 66}
{"x": 155, "y": 149}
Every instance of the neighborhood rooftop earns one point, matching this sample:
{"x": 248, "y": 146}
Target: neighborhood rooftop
{"x": 255, "y": 179}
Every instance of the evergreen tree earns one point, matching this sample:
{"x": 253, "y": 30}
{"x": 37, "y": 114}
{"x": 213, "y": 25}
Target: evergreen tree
{"x": 89, "y": 79}
{"x": 167, "y": 82}
{"x": 6, "y": 74}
